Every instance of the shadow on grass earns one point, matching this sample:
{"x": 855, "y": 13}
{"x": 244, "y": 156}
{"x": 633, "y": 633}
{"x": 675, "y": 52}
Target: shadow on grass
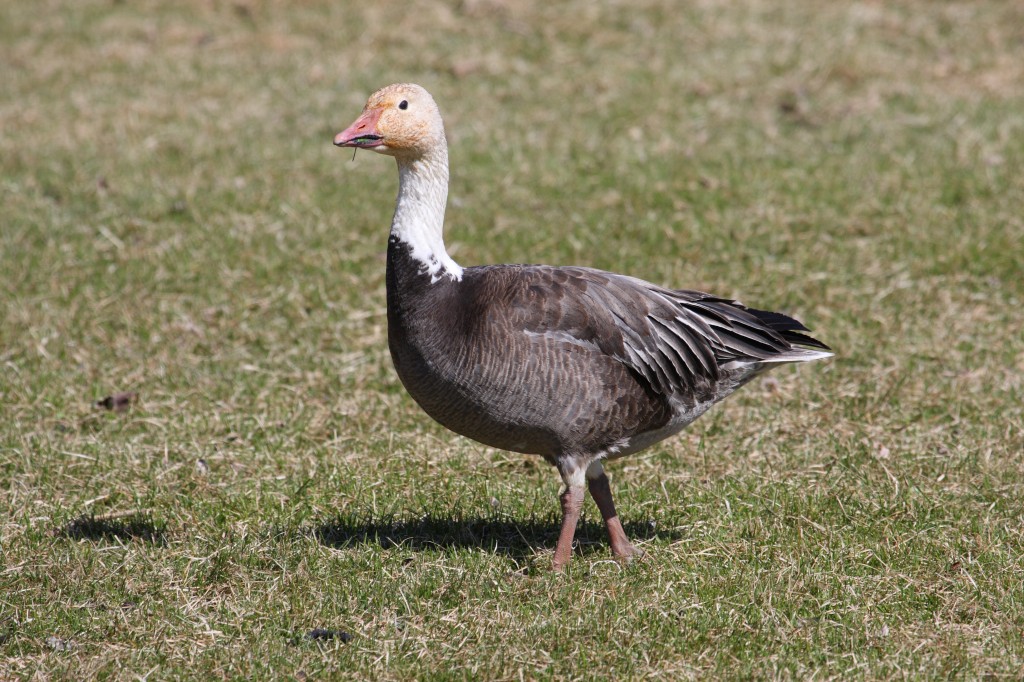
{"x": 129, "y": 528}
{"x": 519, "y": 539}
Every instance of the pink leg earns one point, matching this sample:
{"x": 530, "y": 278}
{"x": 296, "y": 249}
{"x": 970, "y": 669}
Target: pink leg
{"x": 572, "y": 503}
{"x": 597, "y": 481}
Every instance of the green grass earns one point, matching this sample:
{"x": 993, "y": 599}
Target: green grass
{"x": 176, "y": 223}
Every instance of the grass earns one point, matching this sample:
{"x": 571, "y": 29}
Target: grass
{"x": 176, "y": 224}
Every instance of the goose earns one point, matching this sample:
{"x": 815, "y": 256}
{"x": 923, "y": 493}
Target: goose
{"x": 577, "y": 365}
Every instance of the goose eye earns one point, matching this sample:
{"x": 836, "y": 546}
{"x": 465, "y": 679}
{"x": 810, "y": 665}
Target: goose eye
{"x": 403, "y": 105}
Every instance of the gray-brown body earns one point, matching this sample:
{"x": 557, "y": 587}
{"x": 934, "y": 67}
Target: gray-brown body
{"x": 544, "y": 360}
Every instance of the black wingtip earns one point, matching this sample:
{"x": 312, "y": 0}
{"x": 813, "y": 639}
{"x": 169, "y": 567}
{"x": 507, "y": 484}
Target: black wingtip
{"x": 804, "y": 340}
{"x": 777, "y": 321}
{"x": 788, "y": 328}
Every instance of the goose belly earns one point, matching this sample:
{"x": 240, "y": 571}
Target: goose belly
{"x": 546, "y": 399}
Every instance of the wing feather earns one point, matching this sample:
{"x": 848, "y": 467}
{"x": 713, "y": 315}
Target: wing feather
{"x": 678, "y": 341}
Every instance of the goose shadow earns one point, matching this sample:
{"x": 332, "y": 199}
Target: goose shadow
{"x": 97, "y": 529}
{"x": 519, "y": 539}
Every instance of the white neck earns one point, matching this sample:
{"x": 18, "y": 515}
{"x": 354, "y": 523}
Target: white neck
{"x": 419, "y": 212}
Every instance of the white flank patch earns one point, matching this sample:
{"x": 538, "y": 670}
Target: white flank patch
{"x": 565, "y": 337}
{"x": 681, "y": 418}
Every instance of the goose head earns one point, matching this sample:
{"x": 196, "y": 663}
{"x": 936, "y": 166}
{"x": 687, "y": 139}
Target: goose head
{"x": 399, "y": 120}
